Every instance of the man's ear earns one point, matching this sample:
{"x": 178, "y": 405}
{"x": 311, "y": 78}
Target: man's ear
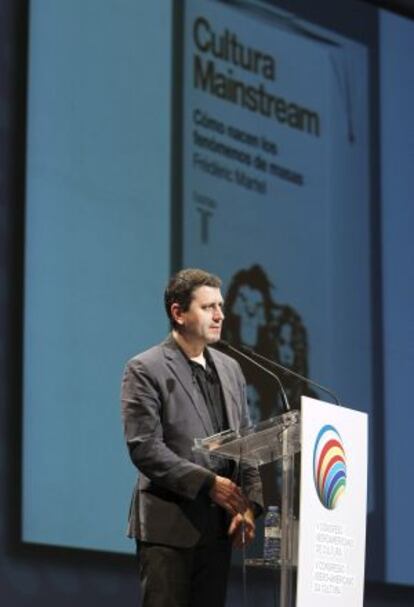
{"x": 177, "y": 314}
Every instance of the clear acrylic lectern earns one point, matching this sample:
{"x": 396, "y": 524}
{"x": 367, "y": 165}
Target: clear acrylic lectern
{"x": 275, "y": 439}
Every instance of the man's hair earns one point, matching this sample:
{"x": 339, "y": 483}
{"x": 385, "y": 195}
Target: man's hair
{"x": 182, "y": 285}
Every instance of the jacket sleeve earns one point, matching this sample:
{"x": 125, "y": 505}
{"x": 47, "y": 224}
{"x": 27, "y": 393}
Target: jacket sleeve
{"x": 141, "y": 412}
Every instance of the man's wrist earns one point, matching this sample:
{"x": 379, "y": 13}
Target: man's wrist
{"x": 208, "y": 483}
{"x": 256, "y": 509}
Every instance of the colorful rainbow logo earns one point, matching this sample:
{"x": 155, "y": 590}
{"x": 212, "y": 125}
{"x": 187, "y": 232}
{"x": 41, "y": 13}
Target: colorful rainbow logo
{"x": 329, "y": 467}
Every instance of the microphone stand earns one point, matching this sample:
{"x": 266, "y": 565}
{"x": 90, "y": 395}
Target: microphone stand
{"x": 251, "y": 360}
{"x": 288, "y": 371}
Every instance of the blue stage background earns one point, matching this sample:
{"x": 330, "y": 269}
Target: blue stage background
{"x": 97, "y": 253}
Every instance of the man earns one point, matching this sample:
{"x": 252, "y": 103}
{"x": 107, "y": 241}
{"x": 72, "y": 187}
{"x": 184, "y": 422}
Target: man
{"x": 187, "y": 508}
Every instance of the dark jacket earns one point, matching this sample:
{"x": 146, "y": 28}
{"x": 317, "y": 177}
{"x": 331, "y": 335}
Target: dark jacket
{"x": 163, "y": 414}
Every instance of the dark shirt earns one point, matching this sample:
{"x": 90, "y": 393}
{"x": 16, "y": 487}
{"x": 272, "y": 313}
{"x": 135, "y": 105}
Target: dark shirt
{"x": 211, "y": 391}
{"x": 210, "y": 388}
{"x": 208, "y": 383}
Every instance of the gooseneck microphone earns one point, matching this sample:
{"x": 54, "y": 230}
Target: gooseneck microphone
{"x": 252, "y": 353}
{"x": 249, "y": 355}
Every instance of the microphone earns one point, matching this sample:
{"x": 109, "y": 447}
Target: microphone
{"x": 288, "y": 371}
{"x": 248, "y": 355}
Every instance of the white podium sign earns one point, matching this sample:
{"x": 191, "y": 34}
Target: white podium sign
{"x": 333, "y": 492}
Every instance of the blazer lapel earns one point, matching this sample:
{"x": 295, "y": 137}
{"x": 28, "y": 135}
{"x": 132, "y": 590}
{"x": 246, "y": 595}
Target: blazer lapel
{"x": 232, "y": 406}
{"x": 179, "y": 366}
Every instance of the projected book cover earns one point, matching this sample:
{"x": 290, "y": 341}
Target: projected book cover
{"x": 276, "y": 192}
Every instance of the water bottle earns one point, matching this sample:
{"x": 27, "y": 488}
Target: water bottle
{"x": 271, "y": 550}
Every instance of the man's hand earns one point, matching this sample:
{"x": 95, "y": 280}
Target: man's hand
{"x": 242, "y": 528}
{"x": 227, "y": 494}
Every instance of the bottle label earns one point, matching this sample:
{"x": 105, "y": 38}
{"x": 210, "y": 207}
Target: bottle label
{"x": 272, "y": 532}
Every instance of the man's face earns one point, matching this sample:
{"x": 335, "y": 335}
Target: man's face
{"x": 203, "y": 320}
